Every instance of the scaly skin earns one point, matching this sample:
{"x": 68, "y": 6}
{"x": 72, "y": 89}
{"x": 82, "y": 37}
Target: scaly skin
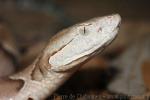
{"x": 59, "y": 60}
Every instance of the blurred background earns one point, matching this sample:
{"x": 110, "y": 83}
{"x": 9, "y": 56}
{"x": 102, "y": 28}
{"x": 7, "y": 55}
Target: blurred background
{"x": 120, "y": 72}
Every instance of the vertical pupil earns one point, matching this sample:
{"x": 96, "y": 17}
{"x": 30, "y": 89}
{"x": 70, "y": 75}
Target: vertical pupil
{"x": 84, "y": 30}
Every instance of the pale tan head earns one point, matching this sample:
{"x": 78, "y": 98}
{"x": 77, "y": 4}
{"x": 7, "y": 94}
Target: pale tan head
{"x": 84, "y": 40}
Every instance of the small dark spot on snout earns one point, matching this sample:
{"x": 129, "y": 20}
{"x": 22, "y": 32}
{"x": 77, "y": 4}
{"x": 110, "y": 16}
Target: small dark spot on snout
{"x": 119, "y": 25}
{"x": 99, "y": 29}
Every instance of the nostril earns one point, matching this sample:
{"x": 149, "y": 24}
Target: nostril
{"x": 99, "y": 29}
{"x": 119, "y": 24}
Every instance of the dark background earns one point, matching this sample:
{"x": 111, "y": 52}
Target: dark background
{"x": 32, "y": 22}
{"x": 27, "y": 18}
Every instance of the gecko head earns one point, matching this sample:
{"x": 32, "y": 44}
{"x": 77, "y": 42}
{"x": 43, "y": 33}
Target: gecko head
{"x": 88, "y": 39}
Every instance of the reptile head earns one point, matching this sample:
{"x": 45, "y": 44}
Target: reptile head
{"x": 81, "y": 41}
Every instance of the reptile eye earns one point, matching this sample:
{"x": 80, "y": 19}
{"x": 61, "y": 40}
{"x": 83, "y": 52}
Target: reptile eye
{"x": 83, "y": 31}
